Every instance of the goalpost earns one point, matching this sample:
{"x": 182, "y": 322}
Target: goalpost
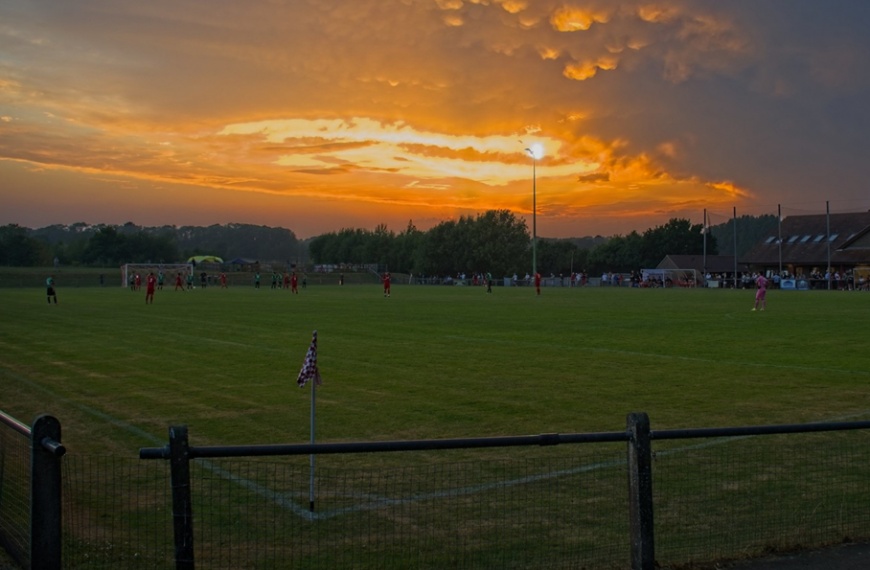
{"x": 129, "y": 270}
{"x": 671, "y": 278}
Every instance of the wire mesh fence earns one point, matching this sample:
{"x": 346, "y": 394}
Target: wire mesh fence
{"x": 522, "y": 513}
{"x": 117, "y": 513}
{"x": 557, "y": 512}
{"x": 739, "y": 497}
{"x": 15, "y": 494}
{"x": 715, "y": 499}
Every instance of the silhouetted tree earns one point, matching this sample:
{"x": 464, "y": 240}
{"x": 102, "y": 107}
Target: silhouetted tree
{"x": 19, "y": 249}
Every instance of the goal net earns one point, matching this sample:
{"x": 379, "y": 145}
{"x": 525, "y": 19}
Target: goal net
{"x": 169, "y": 270}
{"x": 670, "y": 278}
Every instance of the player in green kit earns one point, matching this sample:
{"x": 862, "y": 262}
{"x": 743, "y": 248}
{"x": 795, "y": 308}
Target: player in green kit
{"x": 49, "y": 290}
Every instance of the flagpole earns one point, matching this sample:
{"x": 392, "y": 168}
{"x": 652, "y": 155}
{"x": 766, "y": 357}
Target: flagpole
{"x": 311, "y": 457}
{"x": 310, "y": 373}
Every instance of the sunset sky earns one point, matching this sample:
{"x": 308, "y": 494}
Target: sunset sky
{"x": 318, "y": 115}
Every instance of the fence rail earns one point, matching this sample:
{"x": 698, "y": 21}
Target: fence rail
{"x": 384, "y": 446}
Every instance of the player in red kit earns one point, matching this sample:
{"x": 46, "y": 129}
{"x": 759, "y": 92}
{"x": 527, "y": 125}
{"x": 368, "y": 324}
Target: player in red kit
{"x": 294, "y": 283}
{"x": 150, "y": 282}
{"x": 386, "y": 279}
{"x": 538, "y": 283}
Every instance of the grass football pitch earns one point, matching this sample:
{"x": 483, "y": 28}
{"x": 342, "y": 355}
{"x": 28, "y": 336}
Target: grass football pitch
{"x": 428, "y": 362}
{"x": 443, "y": 362}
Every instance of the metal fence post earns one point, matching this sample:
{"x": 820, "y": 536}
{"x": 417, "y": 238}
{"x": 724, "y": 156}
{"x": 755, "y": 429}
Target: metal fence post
{"x": 45, "y": 493}
{"x": 640, "y": 492}
{"x": 182, "y": 507}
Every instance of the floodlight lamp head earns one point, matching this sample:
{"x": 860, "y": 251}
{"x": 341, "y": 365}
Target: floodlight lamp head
{"x": 536, "y": 151}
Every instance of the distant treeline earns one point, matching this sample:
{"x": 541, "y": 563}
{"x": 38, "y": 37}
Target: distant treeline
{"x": 107, "y": 245}
{"x": 499, "y": 243}
{"x": 496, "y": 242}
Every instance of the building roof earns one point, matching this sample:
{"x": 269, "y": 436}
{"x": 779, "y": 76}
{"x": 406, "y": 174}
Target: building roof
{"x": 860, "y": 241}
{"x": 806, "y": 241}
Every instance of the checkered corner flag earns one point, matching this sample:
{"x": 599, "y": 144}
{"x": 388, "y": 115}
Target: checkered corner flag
{"x": 309, "y": 367}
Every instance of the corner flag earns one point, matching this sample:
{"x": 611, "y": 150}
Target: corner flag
{"x": 309, "y": 367}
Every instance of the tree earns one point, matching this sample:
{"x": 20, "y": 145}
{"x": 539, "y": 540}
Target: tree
{"x": 357, "y": 246}
{"x": 620, "y": 253}
{"x": 408, "y": 249}
{"x": 500, "y": 242}
{"x": 677, "y": 237}
{"x": 495, "y": 242}
{"x": 380, "y": 248}
{"x": 235, "y": 240}
{"x": 439, "y": 249}
{"x": 559, "y": 257}
{"x": 109, "y": 246}
{"x": 633, "y": 252}
{"x": 750, "y": 230}
{"x": 319, "y": 246}
{"x": 106, "y": 247}
{"x": 19, "y": 249}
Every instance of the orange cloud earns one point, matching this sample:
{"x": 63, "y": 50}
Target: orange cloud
{"x": 582, "y": 71}
{"x": 658, "y": 13}
{"x": 730, "y": 189}
{"x": 572, "y": 19}
{"x": 514, "y": 6}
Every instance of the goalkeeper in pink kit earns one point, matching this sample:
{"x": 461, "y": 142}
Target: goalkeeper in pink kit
{"x": 760, "y": 293}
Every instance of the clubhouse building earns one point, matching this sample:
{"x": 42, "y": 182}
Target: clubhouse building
{"x": 813, "y": 249}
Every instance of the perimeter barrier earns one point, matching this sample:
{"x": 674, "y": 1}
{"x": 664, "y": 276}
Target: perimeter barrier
{"x": 637, "y": 498}
{"x": 714, "y": 500}
{"x": 30, "y": 491}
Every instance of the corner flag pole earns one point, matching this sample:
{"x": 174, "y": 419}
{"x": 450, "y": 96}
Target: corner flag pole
{"x": 310, "y": 372}
{"x": 311, "y": 457}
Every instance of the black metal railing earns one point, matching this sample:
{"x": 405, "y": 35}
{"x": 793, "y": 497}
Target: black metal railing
{"x": 641, "y": 539}
{"x": 637, "y": 497}
{"x": 30, "y": 491}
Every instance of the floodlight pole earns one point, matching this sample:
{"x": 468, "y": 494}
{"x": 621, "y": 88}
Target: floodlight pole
{"x": 828, "y": 230}
{"x": 534, "y": 217}
{"x": 534, "y": 152}
{"x": 779, "y": 235}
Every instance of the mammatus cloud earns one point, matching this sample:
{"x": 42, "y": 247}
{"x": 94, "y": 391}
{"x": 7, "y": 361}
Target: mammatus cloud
{"x": 572, "y": 19}
{"x": 588, "y": 69}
